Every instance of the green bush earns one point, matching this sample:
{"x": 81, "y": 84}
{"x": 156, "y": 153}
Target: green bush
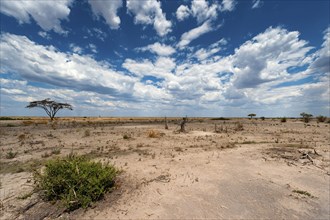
{"x": 125, "y": 136}
{"x": 321, "y": 118}
{"x": 221, "y": 118}
{"x": 11, "y": 155}
{"x": 283, "y": 119}
{"x": 75, "y": 180}
{"x": 6, "y": 118}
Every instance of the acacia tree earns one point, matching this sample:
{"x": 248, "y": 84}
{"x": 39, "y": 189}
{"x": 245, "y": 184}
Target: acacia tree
{"x": 251, "y": 115}
{"x": 306, "y": 117}
{"x": 50, "y": 107}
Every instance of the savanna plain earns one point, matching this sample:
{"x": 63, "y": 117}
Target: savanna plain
{"x": 220, "y": 168}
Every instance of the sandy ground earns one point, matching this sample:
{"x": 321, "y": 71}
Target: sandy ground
{"x": 261, "y": 171}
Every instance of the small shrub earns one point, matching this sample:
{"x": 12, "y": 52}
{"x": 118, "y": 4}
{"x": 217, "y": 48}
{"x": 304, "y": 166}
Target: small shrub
{"x": 262, "y": 118}
{"x": 302, "y": 192}
{"x": 56, "y": 151}
{"x": 153, "y": 134}
{"x": 75, "y": 180}
{"x": 125, "y": 136}
{"x": 21, "y": 137}
{"x": 11, "y": 155}
{"x": 178, "y": 149}
{"x": 221, "y": 118}
{"x": 27, "y": 123}
{"x": 220, "y": 129}
{"x": 87, "y": 133}
{"x": 321, "y": 118}
{"x": 139, "y": 145}
{"x": 238, "y": 126}
{"x": 283, "y": 119}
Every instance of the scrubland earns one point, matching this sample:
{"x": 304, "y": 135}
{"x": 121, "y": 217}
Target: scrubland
{"x": 229, "y": 169}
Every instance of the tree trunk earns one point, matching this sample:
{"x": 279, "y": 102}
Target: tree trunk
{"x": 183, "y": 125}
{"x": 166, "y": 125}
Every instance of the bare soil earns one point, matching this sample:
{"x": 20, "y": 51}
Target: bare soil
{"x": 219, "y": 169}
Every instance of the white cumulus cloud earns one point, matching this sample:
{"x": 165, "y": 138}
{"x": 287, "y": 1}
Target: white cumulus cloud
{"x": 267, "y": 56}
{"x": 199, "y": 9}
{"x": 182, "y": 12}
{"x": 191, "y": 35}
{"x": 159, "y": 49}
{"x": 203, "y": 11}
{"x": 108, "y": 10}
{"x": 150, "y": 12}
{"x": 205, "y": 53}
{"x": 47, "y": 14}
{"x": 321, "y": 63}
{"x": 227, "y": 5}
{"x": 47, "y": 65}
{"x": 162, "y": 68}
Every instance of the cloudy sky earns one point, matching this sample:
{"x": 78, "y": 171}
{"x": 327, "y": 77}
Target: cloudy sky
{"x": 175, "y": 58}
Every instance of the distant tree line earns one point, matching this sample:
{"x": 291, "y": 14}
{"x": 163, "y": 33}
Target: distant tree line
{"x": 52, "y": 107}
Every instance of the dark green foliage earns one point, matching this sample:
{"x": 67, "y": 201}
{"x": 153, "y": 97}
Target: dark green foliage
{"x": 306, "y": 117}
{"x": 262, "y": 118}
{"x": 283, "y": 119}
{"x": 302, "y": 192}
{"x": 50, "y": 107}
{"x": 75, "y": 180}
{"x": 11, "y": 155}
{"x": 221, "y": 118}
{"x": 4, "y": 118}
{"x": 252, "y": 115}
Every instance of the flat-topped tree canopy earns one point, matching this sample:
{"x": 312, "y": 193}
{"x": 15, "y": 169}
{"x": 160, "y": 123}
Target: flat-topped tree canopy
{"x": 50, "y": 107}
{"x": 252, "y": 115}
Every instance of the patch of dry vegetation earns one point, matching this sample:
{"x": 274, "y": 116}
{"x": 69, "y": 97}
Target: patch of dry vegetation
{"x": 153, "y": 134}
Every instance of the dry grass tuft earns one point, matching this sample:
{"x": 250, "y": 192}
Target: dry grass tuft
{"x": 153, "y": 134}
{"x": 87, "y": 133}
{"x": 27, "y": 123}
{"x": 21, "y": 137}
{"x": 41, "y": 122}
{"x": 238, "y": 126}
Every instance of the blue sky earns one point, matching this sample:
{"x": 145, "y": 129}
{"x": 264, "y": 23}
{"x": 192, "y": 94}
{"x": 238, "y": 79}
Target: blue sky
{"x": 156, "y": 58}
